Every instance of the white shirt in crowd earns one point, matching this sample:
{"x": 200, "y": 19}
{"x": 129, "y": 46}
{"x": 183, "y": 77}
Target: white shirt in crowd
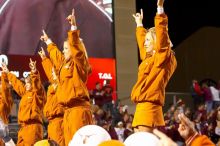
{"x": 120, "y": 133}
{"x": 215, "y": 93}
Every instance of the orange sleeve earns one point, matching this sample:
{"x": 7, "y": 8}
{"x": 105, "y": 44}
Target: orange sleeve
{"x": 37, "y": 85}
{"x": 6, "y": 100}
{"x": 163, "y": 42}
{"x": 140, "y": 35}
{"x": 56, "y": 55}
{"x": 79, "y": 53}
{"x": 47, "y": 66}
{"x": 202, "y": 140}
{"x": 17, "y": 85}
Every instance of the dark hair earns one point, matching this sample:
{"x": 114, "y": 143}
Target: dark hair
{"x": 97, "y": 83}
{"x": 52, "y": 143}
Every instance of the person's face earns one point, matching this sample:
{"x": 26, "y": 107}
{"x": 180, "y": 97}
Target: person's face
{"x": 129, "y": 125}
{"x": 28, "y": 84}
{"x": 172, "y": 108}
{"x": 149, "y": 43}
{"x": 98, "y": 86}
{"x": 126, "y": 117}
{"x": 66, "y": 50}
{"x": 120, "y": 126}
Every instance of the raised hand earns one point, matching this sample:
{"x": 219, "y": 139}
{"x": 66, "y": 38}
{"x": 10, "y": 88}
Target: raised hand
{"x": 44, "y": 37}
{"x": 71, "y": 18}
{"x": 139, "y": 17}
{"x": 32, "y": 66}
{"x": 4, "y": 68}
{"x": 186, "y": 127}
{"x": 164, "y": 140}
{"x": 42, "y": 53}
{"x": 160, "y": 3}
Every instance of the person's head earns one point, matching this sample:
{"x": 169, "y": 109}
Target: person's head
{"x": 201, "y": 107}
{"x": 194, "y": 81}
{"x": 129, "y": 125}
{"x": 98, "y": 85}
{"x": 188, "y": 112}
{"x": 126, "y": 117}
{"x": 204, "y": 85}
{"x": 120, "y": 124}
{"x": 27, "y": 81}
{"x": 150, "y": 40}
{"x": 176, "y": 113}
{"x": 66, "y": 50}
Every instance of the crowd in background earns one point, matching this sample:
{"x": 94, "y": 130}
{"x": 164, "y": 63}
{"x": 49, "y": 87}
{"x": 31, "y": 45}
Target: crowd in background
{"x": 205, "y": 113}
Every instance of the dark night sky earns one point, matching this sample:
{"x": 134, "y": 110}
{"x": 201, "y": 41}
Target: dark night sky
{"x": 185, "y": 16}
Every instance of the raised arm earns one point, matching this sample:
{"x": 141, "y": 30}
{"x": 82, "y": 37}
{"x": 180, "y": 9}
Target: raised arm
{"x": 6, "y": 101}
{"x": 188, "y": 132}
{"x": 161, "y": 26}
{"x": 47, "y": 64}
{"x": 35, "y": 78}
{"x": 140, "y": 34}
{"x": 17, "y": 85}
{"x": 55, "y": 54}
{"x": 77, "y": 46}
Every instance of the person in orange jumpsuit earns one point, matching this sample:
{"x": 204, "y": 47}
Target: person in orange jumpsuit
{"x": 53, "y": 111}
{"x": 74, "y": 69}
{"x": 6, "y": 101}
{"x": 30, "y": 111}
{"x": 188, "y": 132}
{"x": 157, "y": 66}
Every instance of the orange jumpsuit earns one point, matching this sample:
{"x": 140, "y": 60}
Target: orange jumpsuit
{"x": 153, "y": 75}
{"x": 72, "y": 91}
{"x": 6, "y": 101}
{"x": 52, "y": 110}
{"x": 30, "y": 109}
{"x": 200, "y": 140}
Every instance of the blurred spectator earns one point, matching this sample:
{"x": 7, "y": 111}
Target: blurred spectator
{"x": 188, "y": 113}
{"x": 200, "y": 119}
{"x": 181, "y": 106}
{"x": 128, "y": 130}
{"x": 107, "y": 99}
{"x": 188, "y": 132}
{"x": 215, "y": 96}
{"x": 196, "y": 93}
{"x": 97, "y": 94}
{"x": 208, "y": 97}
{"x": 111, "y": 130}
{"x": 120, "y": 131}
